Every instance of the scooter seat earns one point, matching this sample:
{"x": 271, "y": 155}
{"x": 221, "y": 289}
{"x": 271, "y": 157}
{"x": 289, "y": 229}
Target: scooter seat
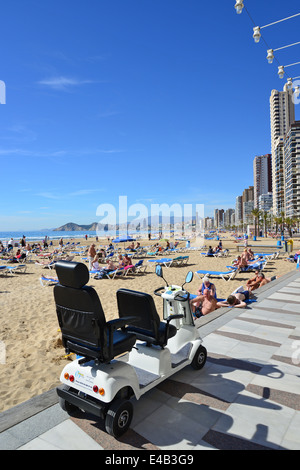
{"x": 147, "y": 325}
{"x": 84, "y": 328}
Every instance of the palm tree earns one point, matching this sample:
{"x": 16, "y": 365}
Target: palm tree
{"x": 282, "y": 222}
{"x": 256, "y": 214}
{"x": 266, "y": 219}
{"x": 277, "y": 221}
{"x": 289, "y": 222}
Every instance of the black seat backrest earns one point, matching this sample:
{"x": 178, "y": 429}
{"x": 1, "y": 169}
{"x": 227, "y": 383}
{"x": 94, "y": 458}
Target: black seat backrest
{"x": 79, "y": 311}
{"x": 141, "y": 306}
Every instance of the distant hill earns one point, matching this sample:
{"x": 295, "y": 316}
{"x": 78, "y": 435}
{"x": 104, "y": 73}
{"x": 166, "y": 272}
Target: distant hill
{"x": 71, "y": 227}
{"x": 154, "y": 221}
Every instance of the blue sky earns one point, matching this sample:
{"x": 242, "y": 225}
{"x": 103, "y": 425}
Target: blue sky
{"x": 164, "y": 101}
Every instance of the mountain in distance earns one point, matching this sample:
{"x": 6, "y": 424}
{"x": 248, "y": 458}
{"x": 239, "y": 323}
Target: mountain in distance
{"x": 155, "y": 221}
{"x": 71, "y": 227}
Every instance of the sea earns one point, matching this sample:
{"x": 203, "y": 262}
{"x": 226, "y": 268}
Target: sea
{"x": 32, "y": 236}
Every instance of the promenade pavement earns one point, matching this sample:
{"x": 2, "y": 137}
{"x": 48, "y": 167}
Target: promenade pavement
{"x": 247, "y": 397}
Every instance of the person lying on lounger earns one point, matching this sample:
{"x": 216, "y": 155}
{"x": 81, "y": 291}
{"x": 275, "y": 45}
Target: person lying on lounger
{"x": 235, "y": 300}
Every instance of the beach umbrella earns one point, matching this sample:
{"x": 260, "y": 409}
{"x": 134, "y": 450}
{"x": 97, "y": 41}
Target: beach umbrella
{"x": 124, "y": 240}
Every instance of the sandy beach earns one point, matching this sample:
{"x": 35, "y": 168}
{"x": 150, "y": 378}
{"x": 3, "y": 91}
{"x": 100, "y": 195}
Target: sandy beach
{"x": 28, "y": 322}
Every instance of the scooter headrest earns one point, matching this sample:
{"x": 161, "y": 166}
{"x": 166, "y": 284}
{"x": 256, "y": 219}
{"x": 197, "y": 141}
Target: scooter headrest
{"x": 72, "y": 274}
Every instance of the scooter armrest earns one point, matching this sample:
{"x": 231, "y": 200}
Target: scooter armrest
{"x": 115, "y": 324}
{"x": 121, "y": 322}
{"x": 171, "y": 317}
{"x": 174, "y": 317}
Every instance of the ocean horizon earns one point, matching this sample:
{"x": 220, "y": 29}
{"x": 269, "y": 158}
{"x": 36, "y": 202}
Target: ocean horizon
{"x": 38, "y": 235}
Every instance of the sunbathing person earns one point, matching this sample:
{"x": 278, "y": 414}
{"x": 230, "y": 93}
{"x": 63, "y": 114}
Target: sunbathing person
{"x": 252, "y": 282}
{"x": 235, "y": 300}
{"x": 259, "y": 281}
{"x": 101, "y": 254}
{"x": 95, "y": 263}
{"x": 203, "y": 304}
{"x": 121, "y": 261}
{"x": 110, "y": 265}
{"x": 240, "y": 263}
{"x": 245, "y": 256}
{"x": 130, "y": 247}
{"x": 210, "y": 251}
{"x": 127, "y": 260}
{"x": 206, "y": 284}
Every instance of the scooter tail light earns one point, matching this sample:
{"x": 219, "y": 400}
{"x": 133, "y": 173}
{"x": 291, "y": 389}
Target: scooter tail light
{"x": 66, "y": 376}
{"x": 101, "y": 391}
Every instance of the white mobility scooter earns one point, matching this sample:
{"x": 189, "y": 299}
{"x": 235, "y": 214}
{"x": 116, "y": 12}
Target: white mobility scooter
{"x": 125, "y": 357}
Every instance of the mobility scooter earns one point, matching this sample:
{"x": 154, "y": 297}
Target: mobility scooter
{"x": 124, "y": 357}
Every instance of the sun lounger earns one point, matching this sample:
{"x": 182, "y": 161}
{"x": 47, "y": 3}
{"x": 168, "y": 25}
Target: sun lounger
{"x": 163, "y": 261}
{"x": 3, "y": 270}
{"x": 50, "y": 264}
{"x": 16, "y": 268}
{"x": 184, "y": 260}
{"x": 153, "y": 253}
{"x": 140, "y": 267}
{"x": 48, "y": 281}
{"x": 116, "y": 272}
{"x": 260, "y": 265}
{"x": 225, "y": 275}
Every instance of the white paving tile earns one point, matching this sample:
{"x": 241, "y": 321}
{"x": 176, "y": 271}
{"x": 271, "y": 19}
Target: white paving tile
{"x": 282, "y": 296}
{"x": 181, "y": 425}
{"x": 64, "y": 436}
{"x": 251, "y": 352}
{"x": 291, "y": 439}
{"x": 219, "y": 344}
{"x": 257, "y": 420}
{"x": 275, "y": 378}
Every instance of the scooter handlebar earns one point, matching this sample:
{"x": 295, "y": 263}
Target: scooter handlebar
{"x": 157, "y": 291}
{"x": 177, "y": 297}
{"x": 183, "y": 299}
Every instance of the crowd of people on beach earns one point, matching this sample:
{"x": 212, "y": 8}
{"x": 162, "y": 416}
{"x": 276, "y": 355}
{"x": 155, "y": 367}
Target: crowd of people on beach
{"x": 100, "y": 263}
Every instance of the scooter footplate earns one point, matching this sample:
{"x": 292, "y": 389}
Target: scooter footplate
{"x": 181, "y": 356}
{"x": 145, "y": 377}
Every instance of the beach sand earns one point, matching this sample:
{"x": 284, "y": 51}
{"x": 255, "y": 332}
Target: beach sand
{"x": 28, "y": 323}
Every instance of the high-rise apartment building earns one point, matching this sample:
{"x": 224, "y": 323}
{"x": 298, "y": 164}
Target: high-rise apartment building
{"x": 219, "y": 218}
{"x": 265, "y": 202}
{"x": 282, "y": 114}
{"x": 248, "y": 204}
{"x": 262, "y": 177}
{"x": 292, "y": 170}
{"x": 239, "y": 210}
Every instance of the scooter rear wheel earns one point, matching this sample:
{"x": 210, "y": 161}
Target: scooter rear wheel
{"x": 200, "y": 358}
{"x": 118, "y": 417}
{"x": 65, "y": 405}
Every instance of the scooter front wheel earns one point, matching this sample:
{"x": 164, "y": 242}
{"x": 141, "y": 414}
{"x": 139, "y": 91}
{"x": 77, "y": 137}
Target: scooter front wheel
{"x": 118, "y": 417}
{"x": 200, "y": 358}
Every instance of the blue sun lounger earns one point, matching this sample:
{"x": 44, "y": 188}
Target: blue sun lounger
{"x": 225, "y": 275}
{"x": 3, "y": 270}
{"x": 163, "y": 261}
{"x": 47, "y": 281}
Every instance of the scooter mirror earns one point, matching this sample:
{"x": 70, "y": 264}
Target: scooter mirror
{"x": 189, "y": 277}
{"x": 158, "y": 271}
